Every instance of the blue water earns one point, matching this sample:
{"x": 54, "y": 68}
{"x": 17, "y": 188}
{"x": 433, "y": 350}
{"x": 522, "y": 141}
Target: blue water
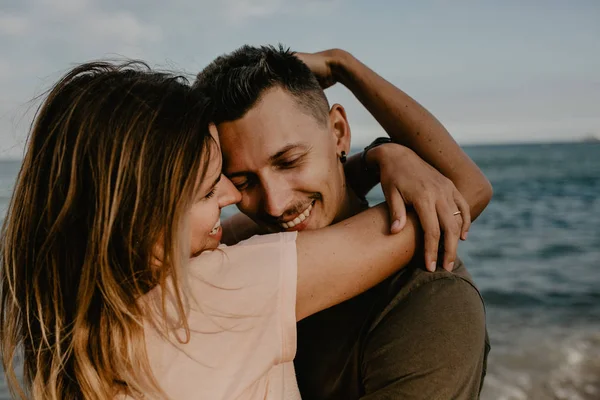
{"x": 535, "y": 255}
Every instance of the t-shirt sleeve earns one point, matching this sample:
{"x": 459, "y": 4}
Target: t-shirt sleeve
{"x": 247, "y": 294}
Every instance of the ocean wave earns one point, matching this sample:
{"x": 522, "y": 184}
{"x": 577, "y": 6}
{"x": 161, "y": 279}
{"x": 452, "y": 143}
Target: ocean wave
{"x": 541, "y": 298}
{"x": 546, "y": 368}
{"x": 554, "y": 250}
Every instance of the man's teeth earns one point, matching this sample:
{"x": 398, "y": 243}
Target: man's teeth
{"x": 299, "y": 219}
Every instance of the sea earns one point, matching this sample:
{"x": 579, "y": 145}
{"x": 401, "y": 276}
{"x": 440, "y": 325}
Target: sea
{"x": 535, "y": 255}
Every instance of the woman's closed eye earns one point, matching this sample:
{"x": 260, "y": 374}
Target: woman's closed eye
{"x": 213, "y": 190}
{"x": 211, "y": 193}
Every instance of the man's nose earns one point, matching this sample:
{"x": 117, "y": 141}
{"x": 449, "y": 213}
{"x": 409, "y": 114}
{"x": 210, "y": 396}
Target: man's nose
{"x": 276, "y": 197}
{"x": 228, "y": 194}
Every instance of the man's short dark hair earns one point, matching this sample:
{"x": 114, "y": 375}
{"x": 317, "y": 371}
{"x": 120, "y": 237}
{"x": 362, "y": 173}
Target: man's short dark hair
{"x": 235, "y": 82}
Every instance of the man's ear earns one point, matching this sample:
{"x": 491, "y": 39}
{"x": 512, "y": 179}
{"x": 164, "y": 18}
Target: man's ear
{"x": 340, "y": 128}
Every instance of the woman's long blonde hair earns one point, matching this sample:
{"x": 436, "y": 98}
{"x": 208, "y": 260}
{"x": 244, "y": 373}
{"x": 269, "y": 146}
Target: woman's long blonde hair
{"x": 109, "y": 171}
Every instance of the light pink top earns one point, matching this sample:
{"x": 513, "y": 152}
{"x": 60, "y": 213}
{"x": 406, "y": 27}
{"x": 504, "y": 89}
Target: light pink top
{"x": 243, "y": 325}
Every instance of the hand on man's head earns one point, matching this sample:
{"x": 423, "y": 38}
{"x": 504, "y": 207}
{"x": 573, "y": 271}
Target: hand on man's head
{"x": 323, "y": 65}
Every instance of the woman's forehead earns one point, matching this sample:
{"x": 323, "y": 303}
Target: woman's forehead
{"x": 208, "y": 176}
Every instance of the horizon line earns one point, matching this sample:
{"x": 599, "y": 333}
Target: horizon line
{"x": 589, "y": 140}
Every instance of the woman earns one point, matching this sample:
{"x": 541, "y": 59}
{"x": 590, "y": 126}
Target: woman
{"x": 121, "y": 183}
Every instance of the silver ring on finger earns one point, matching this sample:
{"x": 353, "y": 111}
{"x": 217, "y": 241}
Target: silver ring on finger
{"x": 457, "y": 213}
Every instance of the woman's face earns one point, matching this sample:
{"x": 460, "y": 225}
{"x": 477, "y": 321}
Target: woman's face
{"x": 214, "y": 192}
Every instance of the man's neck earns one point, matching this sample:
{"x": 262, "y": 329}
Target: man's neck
{"x": 351, "y": 206}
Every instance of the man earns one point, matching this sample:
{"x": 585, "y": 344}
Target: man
{"x": 417, "y": 335}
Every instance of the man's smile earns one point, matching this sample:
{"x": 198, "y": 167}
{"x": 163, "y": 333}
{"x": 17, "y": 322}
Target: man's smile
{"x": 300, "y": 221}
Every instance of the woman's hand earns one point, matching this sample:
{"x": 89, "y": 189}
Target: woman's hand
{"x": 408, "y": 180}
{"x": 323, "y": 65}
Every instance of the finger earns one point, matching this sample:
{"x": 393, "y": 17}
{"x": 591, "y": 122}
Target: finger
{"x": 431, "y": 227}
{"x": 465, "y": 211}
{"x": 301, "y": 55}
{"x": 451, "y": 227}
{"x": 397, "y": 208}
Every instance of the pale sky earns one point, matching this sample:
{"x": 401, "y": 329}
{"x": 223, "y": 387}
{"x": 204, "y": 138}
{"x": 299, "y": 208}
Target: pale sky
{"x": 491, "y": 71}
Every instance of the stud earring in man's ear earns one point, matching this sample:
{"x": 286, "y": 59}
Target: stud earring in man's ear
{"x": 343, "y": 157}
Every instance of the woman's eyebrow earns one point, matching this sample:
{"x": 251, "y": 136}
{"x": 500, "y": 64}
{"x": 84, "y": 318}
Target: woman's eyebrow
{"x": 217, "y": 180}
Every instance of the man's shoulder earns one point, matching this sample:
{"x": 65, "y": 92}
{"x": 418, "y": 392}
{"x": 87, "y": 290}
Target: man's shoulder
{"x": 456, "y": 287}
{"x": 431, "y": 329}
{"x": 415, "y": 277}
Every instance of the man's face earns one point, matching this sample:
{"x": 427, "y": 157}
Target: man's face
{"x": 285, "y": 163}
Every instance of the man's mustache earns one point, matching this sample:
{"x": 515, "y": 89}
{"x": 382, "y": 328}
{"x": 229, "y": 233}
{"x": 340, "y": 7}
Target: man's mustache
{"x": 296, "y": 209}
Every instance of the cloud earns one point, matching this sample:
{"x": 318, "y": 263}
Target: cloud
{"x": 5, "y": 69}
{"x": 77, "y": 21}
{"x": 492, "y": 67}
{"x": 240, "y": 11}
{"x": 13, "y": 25}
{"x": 41, "y": 39}
{"x": 121, "y": 27}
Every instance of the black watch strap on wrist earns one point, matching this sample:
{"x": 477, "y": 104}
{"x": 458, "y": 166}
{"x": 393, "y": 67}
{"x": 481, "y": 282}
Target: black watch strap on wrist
{"x": 363, "y": 157}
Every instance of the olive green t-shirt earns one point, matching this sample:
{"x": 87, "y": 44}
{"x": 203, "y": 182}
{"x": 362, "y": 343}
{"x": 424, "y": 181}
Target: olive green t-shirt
{"x": 417, "y": 335}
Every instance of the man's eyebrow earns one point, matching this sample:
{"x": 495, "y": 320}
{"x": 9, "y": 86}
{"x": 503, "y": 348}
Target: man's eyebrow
{"x": 287, "y": 148}
{"x": 273, "y": 158}
{"x": 236, "y": 174}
